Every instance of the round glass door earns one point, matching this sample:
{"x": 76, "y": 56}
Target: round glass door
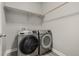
{"x": 46, "y": 41}
{"x": 28, "y": 44}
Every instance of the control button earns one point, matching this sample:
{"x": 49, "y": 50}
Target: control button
{"x": 21, "y": 33}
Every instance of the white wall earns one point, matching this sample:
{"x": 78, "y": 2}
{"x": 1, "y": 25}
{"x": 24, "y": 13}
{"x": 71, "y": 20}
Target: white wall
{"x": 27, "y": 6}
{"x": 15, "y": 21}
{"x": 64, "y": 23}
{"x": 67, "y": 9}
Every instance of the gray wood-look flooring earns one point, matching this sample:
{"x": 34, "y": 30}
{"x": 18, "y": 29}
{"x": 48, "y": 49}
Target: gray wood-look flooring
{"x": 51, "y": 54}
{"x": 48, "y": 54}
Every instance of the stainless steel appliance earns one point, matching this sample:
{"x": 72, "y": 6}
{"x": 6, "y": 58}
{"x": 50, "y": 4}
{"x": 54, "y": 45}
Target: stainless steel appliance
{"x": 28, "y": 43}
{"x": 46, "y": 42}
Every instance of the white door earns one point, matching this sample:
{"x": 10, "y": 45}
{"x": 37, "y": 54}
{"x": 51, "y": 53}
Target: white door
{"x": 1, "y": 23}
{"x": 0, "y": 28}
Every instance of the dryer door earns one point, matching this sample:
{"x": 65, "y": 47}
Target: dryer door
{"x": 28, "y": 44}
{"x": 46, "y": 41}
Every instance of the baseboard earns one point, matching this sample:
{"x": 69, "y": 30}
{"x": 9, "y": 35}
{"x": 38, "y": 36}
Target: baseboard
{"x": 58, "y": 52}
{"x": 9, "y": 51}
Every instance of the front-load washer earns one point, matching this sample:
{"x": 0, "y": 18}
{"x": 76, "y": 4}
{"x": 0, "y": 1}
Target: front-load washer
{"x": 46, "y": 41}
{"x": 28, "y": 43}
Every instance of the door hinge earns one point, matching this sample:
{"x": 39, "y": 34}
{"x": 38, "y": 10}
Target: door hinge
{"x": 2, "y": 35}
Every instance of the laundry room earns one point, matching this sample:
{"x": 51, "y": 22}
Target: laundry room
{"x": 39, "y": 28}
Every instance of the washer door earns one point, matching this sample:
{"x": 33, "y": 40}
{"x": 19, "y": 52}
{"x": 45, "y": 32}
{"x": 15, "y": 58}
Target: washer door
{"x": 46, "y": 41}
{"x": 28, "y": 44}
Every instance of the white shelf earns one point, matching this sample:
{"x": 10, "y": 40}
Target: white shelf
{"x": 22, "y": 11}
{"x": 20, "y": 16}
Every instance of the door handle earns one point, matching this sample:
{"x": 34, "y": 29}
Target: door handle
{"x": 2, "y": 35}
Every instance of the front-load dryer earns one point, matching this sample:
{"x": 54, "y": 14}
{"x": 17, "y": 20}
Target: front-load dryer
{"x": 28, "y": 43}
{"x": 46, "y": 42}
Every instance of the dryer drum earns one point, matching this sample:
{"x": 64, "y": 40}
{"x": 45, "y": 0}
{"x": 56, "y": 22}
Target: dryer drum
{"x": 28, "y": 44}
{"x": 46, "y": 41}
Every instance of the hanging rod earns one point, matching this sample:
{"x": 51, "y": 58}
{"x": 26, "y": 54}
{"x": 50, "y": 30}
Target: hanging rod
{"x": 56, "y": 8}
